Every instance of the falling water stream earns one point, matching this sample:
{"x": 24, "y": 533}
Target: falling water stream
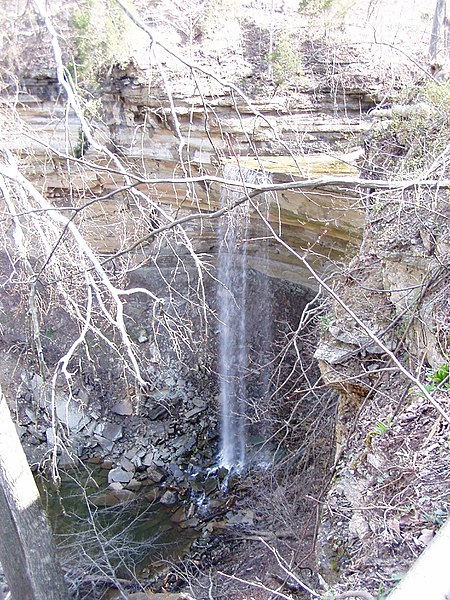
{"x": 233, "y": 305}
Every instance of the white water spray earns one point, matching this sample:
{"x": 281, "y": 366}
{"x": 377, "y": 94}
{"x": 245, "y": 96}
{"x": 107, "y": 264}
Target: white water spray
{"x": 233, "y": 329}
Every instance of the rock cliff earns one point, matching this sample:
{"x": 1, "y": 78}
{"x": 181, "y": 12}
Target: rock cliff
{"x": 165, "y": 119}
{"x": 391, "y": 439}
{"x": 139, "y": 126}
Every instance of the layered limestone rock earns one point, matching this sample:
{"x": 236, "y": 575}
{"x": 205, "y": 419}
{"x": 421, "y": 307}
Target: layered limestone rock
{"x": 140, "y": 128}
{"x": 172, "y": 119}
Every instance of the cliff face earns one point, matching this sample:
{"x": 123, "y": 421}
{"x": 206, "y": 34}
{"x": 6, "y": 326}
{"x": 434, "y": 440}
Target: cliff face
{"x": 140, "y": 127}
{"x": 309, "y": 104}
{"x": 384, "y": 506}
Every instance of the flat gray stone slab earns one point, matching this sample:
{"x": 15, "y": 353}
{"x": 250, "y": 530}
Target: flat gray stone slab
{"x": 119, "y": 475}
{"x": 109, "y": 431}
{"x": 123, "y": 408}
{"x": 71, "y": 414}
{"x": 194, "y": 412}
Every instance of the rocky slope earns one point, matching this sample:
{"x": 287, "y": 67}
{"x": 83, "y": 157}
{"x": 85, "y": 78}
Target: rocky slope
{"x": 391, "y": 491}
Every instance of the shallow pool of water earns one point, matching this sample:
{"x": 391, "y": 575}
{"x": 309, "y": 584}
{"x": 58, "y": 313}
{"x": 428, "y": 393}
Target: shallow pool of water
{"x": 121, "y": 541}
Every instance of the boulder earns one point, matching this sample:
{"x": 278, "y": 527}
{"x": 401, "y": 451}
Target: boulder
{"x": 147, "y": 460}
{"x": 109, "y": 431}
{"x": 131, "y": 453}
{"x": 119, "y": 475}
{"x": 153, "y": 494}
{"x": 112, "y": 498}
{"x": 127, "y": 465}
{"x": 154, "y": 474}
{"x": 199, "y": 403}
{"x": 115, "y": 486}
{"x": 168, "y": 498}
{"x": 191, "y": 414}
{"x": 183, "y": 444}
{"x": 71, "y": 414}
{"x": 137, "y": 462}
{"x": 134, "y": 485}
{"x": 105, "y": 444}
{"x": 158, "y": 412}
{"x": 179, "y": 515}
{"x": 176, "y": 472}
{"x": 123, "y": 407}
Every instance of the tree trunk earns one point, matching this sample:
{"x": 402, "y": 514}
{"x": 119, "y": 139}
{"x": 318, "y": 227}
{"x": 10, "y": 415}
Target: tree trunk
{"x": 27, "y": 550}
{"x": 439, "y": 42}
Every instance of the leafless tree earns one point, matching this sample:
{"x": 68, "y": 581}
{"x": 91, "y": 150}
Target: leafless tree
{"x": 27, "y": 551}
{"x": 439, "y": 42}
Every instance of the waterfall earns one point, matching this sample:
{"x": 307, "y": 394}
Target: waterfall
{"x": 234, "y": 336}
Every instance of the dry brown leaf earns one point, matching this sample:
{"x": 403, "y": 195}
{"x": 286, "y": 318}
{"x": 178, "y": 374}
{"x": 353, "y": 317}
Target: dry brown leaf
{"x": 394, "y": 525}
{"x": 425, "y": 537}
{"x": 433, "y": 430}
{"x": 409, "y": 518}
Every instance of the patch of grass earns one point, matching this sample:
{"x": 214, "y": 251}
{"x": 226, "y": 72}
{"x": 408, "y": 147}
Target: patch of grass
{"x": 436, "y": 94}
{"x": 381, "y": 428}
{"x": 438, "y": 379}
{"x": 324, "y": 322}
{"x": 438, "y": 517}
{"x": 314, "y": 6}
{"x": 383, "y": 592}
